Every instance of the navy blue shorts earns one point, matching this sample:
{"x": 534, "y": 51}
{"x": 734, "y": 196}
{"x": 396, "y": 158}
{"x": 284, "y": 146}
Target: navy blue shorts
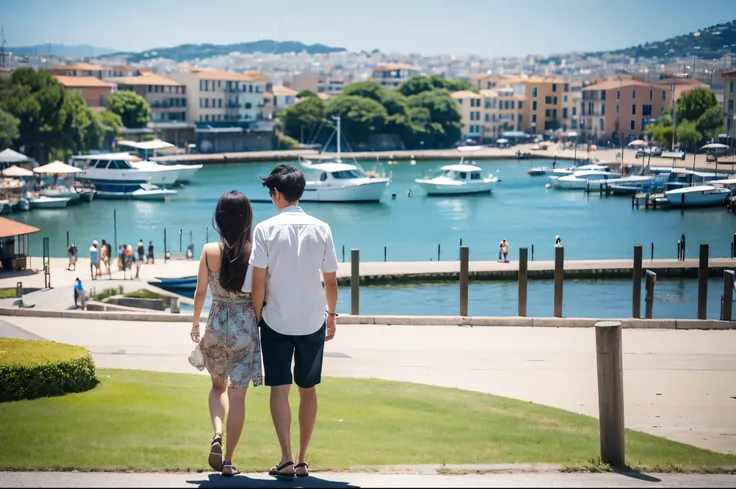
{"x": 278, "y": 350}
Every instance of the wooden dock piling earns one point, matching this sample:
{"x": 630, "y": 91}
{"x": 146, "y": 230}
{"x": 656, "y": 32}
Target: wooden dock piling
{"x": 609, "y": 357}
{"x": 636, "y": 298}
{"x": 523, "y": 280}
{"x": 649, "y": 299}
{"x": 464, "y": 277}
{"x": 559, "y": 275}
{"x": 703, "y": 282}
{"x": 354, "y": 282}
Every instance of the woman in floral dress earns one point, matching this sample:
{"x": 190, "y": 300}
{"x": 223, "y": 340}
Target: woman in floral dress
{"x": 230, "y": 344}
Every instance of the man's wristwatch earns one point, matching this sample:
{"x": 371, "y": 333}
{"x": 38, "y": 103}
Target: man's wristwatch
{"x": 333, "y": 314}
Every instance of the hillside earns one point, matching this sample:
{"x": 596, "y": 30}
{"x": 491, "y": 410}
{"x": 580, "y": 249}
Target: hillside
{"x": 709, "y": 43}
{"x": 189, "y": 52}
{"x": 62, "y": 50}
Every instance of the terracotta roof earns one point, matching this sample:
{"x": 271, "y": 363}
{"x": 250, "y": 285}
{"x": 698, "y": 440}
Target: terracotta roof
{"x": 5, "y": 70}
{"x": 489, "y": 93}
{"x": 9, "y": 228}
{"x": 395, "y": 66}
{"x": 82, "y": 82}
{"x": 465, "y": 94}
{"x": 286, "y": 91}
{"x": 147, "y": 79}
{"x": 224, "y": 75}
{"x": 680, "y": 81}
{"x": 729, "y": 73}
{"x": 124, "y": 68}
{"x": 80, "y": 66}
{"x": 257, "y": 75}
{"x": 615, "y": 83}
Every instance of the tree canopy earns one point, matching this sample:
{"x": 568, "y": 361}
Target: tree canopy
{"x": 306, "y": 94}
{"x": 360, "y": 116}
{"x": 694, "y": 103}
{"x": 699, "y": 118}
{"x": 50, "y": 120}
{"x": 303, "y": 118}
{"x": 8, "y": 129}
{"x": 133, "y": 109}
{"x": 421, "y": 83}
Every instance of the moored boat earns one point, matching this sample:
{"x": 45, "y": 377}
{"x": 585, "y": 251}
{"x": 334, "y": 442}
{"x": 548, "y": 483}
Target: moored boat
{"x": 457, "y": 179}
{"x": 43, "y": 202}
{"x": 697, "y": 196}
{"x": 142, "y": 192}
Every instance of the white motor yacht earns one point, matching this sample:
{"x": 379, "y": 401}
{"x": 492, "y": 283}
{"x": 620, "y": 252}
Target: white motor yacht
{"x": 458, "y": 179}
{"x": 43, "y": 202}
{"x": 61, "y": 191}
{"x": 186, "y": 172}
{"x": 700, "y": 195}
{"x": 561, "y": 172}
{"x": 337, "y": 181}
{"x": 113, "y": 172}
{"x": 142, "y": 192}
{"x": 584, "y": 179}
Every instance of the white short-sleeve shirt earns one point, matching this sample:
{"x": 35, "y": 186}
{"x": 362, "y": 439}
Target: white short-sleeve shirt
{"x": 294, "y": 247}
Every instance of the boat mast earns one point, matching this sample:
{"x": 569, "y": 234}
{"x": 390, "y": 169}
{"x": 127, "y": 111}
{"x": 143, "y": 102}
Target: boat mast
{"x": 339, "y": 137}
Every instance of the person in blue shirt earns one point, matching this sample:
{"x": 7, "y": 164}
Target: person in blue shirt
{"x": 79, "y": 294}
{"x": 94, "y": 259}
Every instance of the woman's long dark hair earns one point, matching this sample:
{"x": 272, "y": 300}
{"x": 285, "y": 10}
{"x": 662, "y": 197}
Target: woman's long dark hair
{"x": 233, "y": 220}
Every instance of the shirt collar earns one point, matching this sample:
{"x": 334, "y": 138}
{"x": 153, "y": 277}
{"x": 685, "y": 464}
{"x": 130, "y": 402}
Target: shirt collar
{"x": 291, "y": 208}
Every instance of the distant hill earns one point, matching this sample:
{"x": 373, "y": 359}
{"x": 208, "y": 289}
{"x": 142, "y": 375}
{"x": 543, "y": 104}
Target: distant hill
{"x": 709, "y": 43}
{"x": 62, "y": 50}
{"x": 189, "y": 52}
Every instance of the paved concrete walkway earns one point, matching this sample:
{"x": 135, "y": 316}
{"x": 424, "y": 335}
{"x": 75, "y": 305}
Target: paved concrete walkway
{"x": 355, "y": 480}
{"x": 678, "y": 384}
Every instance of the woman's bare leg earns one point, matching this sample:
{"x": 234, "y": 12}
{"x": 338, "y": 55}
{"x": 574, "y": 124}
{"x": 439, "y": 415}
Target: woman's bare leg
{"x": 235, "y": 420}
{"x": 218, "y": 404}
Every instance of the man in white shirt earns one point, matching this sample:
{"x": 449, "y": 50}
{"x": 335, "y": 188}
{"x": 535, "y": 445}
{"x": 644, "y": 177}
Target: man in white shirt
{"x": 295, "y": 313}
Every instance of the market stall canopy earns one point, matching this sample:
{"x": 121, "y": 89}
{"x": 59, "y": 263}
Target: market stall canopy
{"x": 10, "y": 228}
{"x": 57, "y": 167}
{"x": 16, "y": 171}
{"x": 10, "y": 156}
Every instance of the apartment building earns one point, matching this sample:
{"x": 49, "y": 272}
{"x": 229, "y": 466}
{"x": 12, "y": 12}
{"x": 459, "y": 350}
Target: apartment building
{"x": 729, "y": 100}
{"x": 627, "y": 106}
{"x": 315, "y": 82}
{"x": 488, "y": 114}
{"x": 222, "y": 96}
{"x": 283, "y": 97}
{"x": 166, "y": 97}
{"x": 393, "y": 75}
{"x": 545, "y": 95}
{"x": 572, "y": 102}
{"x": 92, "y": 89}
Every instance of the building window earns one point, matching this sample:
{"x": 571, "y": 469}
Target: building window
{"x": 566, "y": 87}
{"x": 730, "y": 105}
{"x": 603, "y": 109}
{"x": 206, "y": 85}
{"x": 219, "y": 103}
{"x": 617, "y": 109}
{"x": 488, "y": 117}
{"x": 520, "y": 105}
{"x": 488, "y": 104}
{"x": 534, "y": 117}
{"x": 651, "y": 92}
{"x": 601, "y": 125}
{"x": 547, "y": 113}
{"x": 207, "y": 118}
{"x": 618, "y": 94}
{"x": 534, "y": 105}
{"x": 506, "y": 105}
{"x": 219, "y": 84}
{"x": 512, "y": 105}
{"x": 564, "y": 98}
{"x": 554, "y": 87}
{"x": 459, "y": 101}
{"x": 520, "y": 118}
{"x": 633, "y": 124}
{"x": 547, "y": 100}
{"x": 206, "y": 103}
{"x": 534, "y": 91}
{"x": 633, "y": 94}
{"x": 554, "y": 100}
{"x": 664, "y": 95}
{"x": 201, "y": 118}
{"x": 633, "y": 109}
{"x": 646, "y": 110}
{"x": 574, "y": 110}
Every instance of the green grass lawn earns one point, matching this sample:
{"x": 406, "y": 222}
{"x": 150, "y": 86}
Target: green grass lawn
{"x": 8, "y": 293}
{"x": 141, "y": 420}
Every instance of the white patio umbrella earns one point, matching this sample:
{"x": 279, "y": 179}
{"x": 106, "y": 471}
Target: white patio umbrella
{"x": 16, "y": 171}
{"x": 638, "y": 143}
{"x": 714, "y": 146}
{"x": 57, "y": 167}
{"x": 10, "y": 156}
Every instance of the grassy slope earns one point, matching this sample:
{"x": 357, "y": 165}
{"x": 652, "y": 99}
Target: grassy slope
{"x": 154, "y": 421}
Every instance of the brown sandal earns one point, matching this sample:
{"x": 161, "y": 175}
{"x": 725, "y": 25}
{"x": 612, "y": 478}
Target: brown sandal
{"x": 302, "y": 473}
{"x": 277, "y": 471}
{"x": 228, "y": 469}
{"x": 215, "y": 458}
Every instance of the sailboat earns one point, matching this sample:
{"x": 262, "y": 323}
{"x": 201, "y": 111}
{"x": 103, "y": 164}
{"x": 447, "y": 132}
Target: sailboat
{"x": 336, "y": 181}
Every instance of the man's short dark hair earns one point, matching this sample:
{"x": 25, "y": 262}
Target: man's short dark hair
{"x": 288, "y": 180}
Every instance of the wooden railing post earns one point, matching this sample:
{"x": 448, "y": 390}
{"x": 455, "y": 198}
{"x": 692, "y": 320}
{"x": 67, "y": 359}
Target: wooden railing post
{"x": 609, "y": 355}
{"x": 354, "y": 282}
{"x": 464, "y": 276}
{"x": 559, "y": 275}
{"x": 636, "y": 302}
{"x": 727, "y": 295}
{"x": 523, "y": 272}
{"x": 703, "y": 282}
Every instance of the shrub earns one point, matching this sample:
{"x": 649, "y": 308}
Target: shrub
{"x": 149, "y": 294}
{"x": 30, "y": 369}
{"x": 109, "y": 292}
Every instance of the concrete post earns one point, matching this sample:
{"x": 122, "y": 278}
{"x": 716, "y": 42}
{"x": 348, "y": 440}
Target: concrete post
{"x": 354, "y": 282}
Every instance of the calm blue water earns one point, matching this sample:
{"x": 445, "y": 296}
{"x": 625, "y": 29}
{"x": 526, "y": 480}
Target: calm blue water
{"x": 411, "y": 228}
{"x": 673, "y": 298}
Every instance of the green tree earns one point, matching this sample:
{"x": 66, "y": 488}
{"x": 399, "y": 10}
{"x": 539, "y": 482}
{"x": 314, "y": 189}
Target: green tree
{"x": 286, "y": 142}
{"x": 694, "y": 103}
{"x": 8, "y": 129}
{"x": 421, "y": 83}
{"x": 711, "y": 122}
{"x": 304, "y": 118}
{"x": 662, "y": 134}
{"x": 688, "y": 136}
{"x": 445, "y": 123}
{"x": 360, "y": 116}
{"x": 133, "y": 109}
{"x": 306, "y": 94}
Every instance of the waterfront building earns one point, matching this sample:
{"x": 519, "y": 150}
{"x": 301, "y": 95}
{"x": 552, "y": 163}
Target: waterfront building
{"x": 729, "y": 100}
{"x": 315, "y": 82}
{"x": 283, "y": 97}
{"x": 92, "y": 89}
{"x": 626, "y": 106}
{"x": 572, "y": 102}
{"x": 5, "y": 72}
{"x": 222, "y": 96}
{"x": 166, "y": 97}
{"x": 394, "y": 74}
{"x": 486, "y": 115}
{"x": 81, "y": 69}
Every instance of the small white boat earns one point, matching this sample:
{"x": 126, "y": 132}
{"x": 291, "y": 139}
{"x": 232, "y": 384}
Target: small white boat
{"x": 584, "y": 179}
{"x": 457, "y": 179}
{"x": 561, "y": 172}
{"x": 631, "y": 184}
{"x": 61, "y": 192}
{"x": 143, "y": 192}
{"x": 21, "y": 205}
{"x": 341, "y": 182}
{"x": 113, "y": 172}
{"x": 43, "y": 202}
{"x": 700, "y": 195}
{"x": 185, "y": 172}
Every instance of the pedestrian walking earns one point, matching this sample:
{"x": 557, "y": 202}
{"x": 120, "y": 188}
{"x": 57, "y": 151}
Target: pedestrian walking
{"x": 72, "y": 252}
{"x": 79, "y": 295}
{"x": 94, "y": 260}
{"x": 150, "y": 252}
{"x": 503, "y": 251}
{"x": 558, "y": 241}
{"x": 141, "y": 251}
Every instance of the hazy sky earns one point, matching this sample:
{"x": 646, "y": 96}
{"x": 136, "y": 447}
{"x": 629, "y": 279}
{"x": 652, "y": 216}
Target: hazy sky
{"x": 484, "y": 27}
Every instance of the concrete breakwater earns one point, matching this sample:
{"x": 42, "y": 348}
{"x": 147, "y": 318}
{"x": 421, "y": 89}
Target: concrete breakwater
{"x": 374, "y": 273}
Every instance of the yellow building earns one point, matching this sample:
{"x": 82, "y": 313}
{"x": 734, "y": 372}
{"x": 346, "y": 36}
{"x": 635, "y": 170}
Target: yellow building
{"x": 488, "y": 114}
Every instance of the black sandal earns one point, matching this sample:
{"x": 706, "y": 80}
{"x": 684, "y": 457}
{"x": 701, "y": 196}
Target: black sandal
{"x": 276, "y": 471}
{"x": 304, "y": 466}
{"x": 233, "y": 471}
{"x": 215, "y": 458}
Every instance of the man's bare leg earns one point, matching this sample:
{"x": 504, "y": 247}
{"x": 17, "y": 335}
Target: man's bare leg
{"x": 307, "y": 419}
{"x": 281, "y": 414}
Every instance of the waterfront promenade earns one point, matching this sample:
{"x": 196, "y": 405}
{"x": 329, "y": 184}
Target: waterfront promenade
{"x": 726, "y": 164}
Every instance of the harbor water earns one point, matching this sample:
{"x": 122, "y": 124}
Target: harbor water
{"x": 409, "y": 227}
